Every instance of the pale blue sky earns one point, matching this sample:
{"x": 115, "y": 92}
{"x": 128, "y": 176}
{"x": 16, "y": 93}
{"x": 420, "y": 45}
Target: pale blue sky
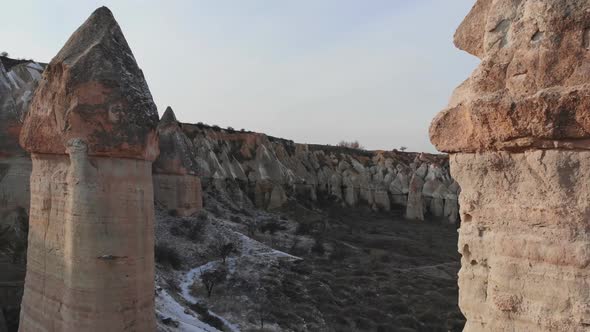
{"x": 314, "y": 71}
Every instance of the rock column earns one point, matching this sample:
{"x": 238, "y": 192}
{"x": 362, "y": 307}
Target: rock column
{"x": 91, "y": 132}
{"x": 177, "y": 187}
{"x": 518, "y": 133}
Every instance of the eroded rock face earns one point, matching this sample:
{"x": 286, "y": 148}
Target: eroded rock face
{"x": 91, "y": 134}
{"x": 525, "y": 240}
{"x": 521, "y": 165}
{"x": 93, "y": 90}
{"x": 531, "y": 89}
{"x": 177, "y": 186}
{"x": 18, "y": 80}
{"x": 272, "y": 170}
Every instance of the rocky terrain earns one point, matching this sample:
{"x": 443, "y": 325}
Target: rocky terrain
{"x": 521, "y": 161}
{"x": 251, "y": 232}
{"x": 271, "y": 170}
{"x": 18, "y": 80}
{"x": 91, "y": 133}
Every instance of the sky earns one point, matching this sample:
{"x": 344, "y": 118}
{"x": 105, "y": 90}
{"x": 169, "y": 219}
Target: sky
{"x": 314, "y": 71}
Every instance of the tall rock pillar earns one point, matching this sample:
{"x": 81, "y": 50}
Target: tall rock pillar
{"x": 176, "y": 184}
{"x": 518, "y": 131}
{"x": 91, "y": 132}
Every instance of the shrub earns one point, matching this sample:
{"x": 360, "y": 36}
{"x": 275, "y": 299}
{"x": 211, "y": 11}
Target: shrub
{"x": 217, "y": 211}
{"x": 318, "y": 247}
{"x": 203, "y": 216}
{"x": 236, "y": 219}
{"x": 224, "y": 248}
{"x": 271, "y": 226}
{"x": 351, "y": 145}
{"x": 167, "y": 255}
{"x": 196, "y": 230}
{"x": 339, "y": 253}
{"x": 176, "y": 231}
{"x": 213, "y": 277}
{"x": 304, "y": 229}
{"x": 206, "y": 317}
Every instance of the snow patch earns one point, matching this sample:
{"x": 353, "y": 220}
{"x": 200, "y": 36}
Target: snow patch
{"x": 166, "y": 306}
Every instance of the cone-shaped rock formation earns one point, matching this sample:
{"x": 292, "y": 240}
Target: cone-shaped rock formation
{"x": 519, "y": 130}
{"x": 176, "y": 184}
{"x": 94, "y": 90}
{"x": 91, "y": 132}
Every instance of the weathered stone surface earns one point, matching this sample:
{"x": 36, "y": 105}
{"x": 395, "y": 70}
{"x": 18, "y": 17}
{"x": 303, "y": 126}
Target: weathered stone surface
{"x": 525, "y": 240}
{"x": 18, "y": 79}
{"x": 415, "y": 206}
{"x": 180, "y": 193}
{"x": 518, "y": 129}
{"x": 531, "y": 89}
{"x": 93, "y": 90}
{"x": 90, "y": 260}
{"x": 91, "y": 134}
{"x": 177, "y": 153}
{"x": 378, "y": 179}
{"x": 176, "y": 184}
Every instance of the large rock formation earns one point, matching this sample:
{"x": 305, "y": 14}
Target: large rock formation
{"x": 271, "y": 170}
{"x": 518, "y": 130}
{"x": 176, "y": 184}
{"x": 91, "y": 132}
{"x": 18, "y": 78}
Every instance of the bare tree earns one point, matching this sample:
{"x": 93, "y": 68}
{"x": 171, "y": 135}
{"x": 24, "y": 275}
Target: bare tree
{"x": 262, "y": 305}
{"x": 224, "y": 248}
{"x": 351, "y": 145}
{"x": 213, "y": 277}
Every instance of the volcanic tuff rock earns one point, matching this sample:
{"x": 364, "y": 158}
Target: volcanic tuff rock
{"x": 94, "y": 90}
{"x": 517, "y": 129}
{"x": 531, "y": 89}
{"x": 91, "y": 134}
{"x": 18, "y": 78}
{"x": 267, "y": 171}
{"x": 176, "y": 184}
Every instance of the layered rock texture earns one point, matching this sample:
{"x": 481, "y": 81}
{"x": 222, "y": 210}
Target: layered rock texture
{"x": 91, "y": 132}
{"x": 268, "y": 172}
{"x": 18, "y": 78}
{"x": 518, "y": 132}
{"x": 177, "y": 187}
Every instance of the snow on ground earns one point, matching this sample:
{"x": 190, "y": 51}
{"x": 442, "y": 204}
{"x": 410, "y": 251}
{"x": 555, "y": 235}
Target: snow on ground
{"x": 194, "y": 274}
{"x": 166, "y": 306}
{"x": 249, "y": 247}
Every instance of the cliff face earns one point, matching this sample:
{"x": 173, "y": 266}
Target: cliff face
{"x": 522, "y": 164}
{"x": 91, "y": 132}
{"x": 17, "y": 81}
{"x": 268, "y": 172}
{"x": 176, "y": 184}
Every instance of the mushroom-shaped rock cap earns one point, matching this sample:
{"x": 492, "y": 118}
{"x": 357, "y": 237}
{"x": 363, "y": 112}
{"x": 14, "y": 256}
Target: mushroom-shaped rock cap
{"x": 531, "y": 89}
{"x": 93, "y": 90}
{"x": 177, "y": 153}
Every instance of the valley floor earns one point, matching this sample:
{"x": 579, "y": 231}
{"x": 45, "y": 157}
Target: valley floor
{"x": 305, "y": 269}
